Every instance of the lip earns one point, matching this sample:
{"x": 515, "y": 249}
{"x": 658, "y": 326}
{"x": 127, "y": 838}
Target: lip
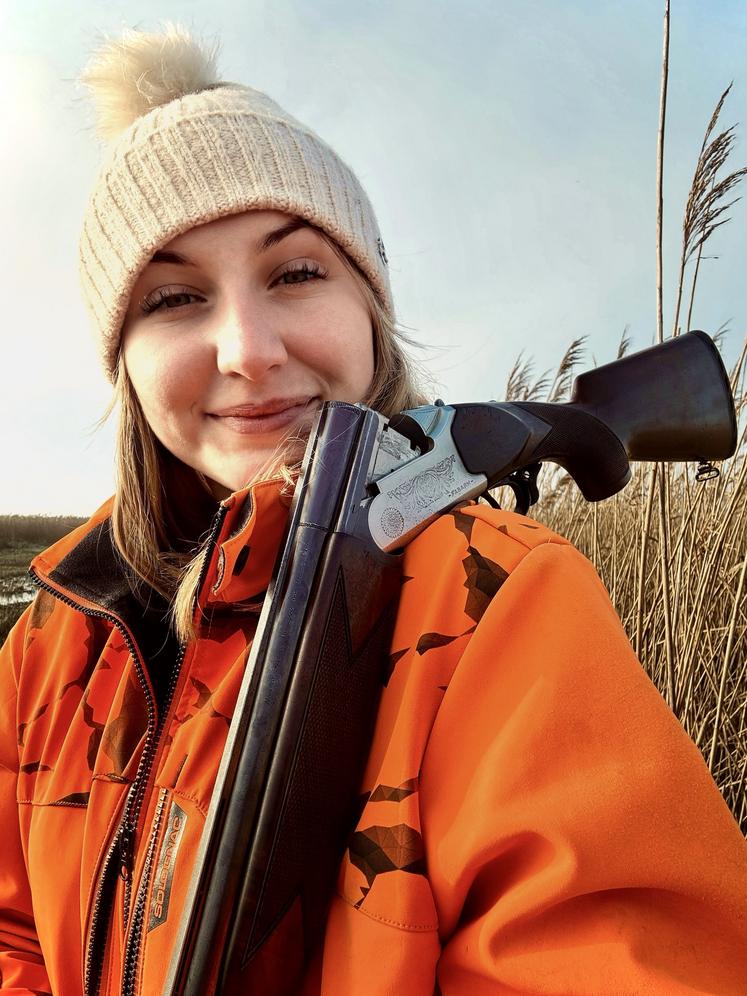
{"x": 268, "y": 416}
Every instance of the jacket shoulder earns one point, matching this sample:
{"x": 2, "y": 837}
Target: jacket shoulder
{"x": 502, "y": 536}
{"x": 518, "y": 530}
{"x": 454, "y": 569}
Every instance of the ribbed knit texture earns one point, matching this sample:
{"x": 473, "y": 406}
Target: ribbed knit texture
{"x": 202, "y": 157}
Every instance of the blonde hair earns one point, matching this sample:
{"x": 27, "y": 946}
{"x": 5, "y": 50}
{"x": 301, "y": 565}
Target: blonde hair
{"x": 162, "y": 539}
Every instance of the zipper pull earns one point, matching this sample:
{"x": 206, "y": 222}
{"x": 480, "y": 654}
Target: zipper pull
{"x": 126, "y": 850}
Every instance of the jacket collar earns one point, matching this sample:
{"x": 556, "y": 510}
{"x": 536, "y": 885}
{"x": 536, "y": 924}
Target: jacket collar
{"x": 246, "y": 546}
{"x": 85, "y": 567}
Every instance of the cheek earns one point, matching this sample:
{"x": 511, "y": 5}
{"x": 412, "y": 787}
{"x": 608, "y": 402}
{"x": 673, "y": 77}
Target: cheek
{"x": 164, "y": 376}
{"x": 359, "y": 352}
{"x": 343, "y": 347}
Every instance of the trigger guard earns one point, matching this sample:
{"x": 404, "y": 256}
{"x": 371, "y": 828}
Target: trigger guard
{"x": 523, "y": 483}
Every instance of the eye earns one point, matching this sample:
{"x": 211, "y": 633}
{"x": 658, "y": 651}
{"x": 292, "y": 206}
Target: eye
{"x": 300, "y": 273}
{"x": 169, "y": 298}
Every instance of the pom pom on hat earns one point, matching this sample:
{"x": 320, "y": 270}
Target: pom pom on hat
{"x": 131, "y": 75}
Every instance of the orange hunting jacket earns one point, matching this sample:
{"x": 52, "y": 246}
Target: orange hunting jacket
{"x": 536, "y": 821}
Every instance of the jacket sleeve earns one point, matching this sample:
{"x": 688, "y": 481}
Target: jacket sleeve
{"x": 21, "y": 963}
{"x": 575, "y": 840}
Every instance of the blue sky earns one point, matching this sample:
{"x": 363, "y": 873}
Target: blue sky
{"x": 508, "y": 148}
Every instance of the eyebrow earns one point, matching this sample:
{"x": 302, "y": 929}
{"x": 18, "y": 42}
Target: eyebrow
{"x": 266, "y": 242}
{"x": 169, "y": 256}
{"x": 278, "y": 234}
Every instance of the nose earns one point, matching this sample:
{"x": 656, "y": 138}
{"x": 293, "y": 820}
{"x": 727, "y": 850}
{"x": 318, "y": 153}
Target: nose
{"x": 249, "y": 341}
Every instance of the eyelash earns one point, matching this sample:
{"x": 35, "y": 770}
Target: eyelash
{"x": 159, "y": 297}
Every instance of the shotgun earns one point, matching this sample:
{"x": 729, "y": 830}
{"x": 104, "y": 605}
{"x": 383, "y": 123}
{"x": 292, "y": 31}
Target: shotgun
{"x": 285, "y": 796}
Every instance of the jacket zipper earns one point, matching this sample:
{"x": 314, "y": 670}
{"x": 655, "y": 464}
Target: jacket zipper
{"x": 122, "y": 845}
{"x": 136, "y": 795}
{"x": 134, "y": 933}
{"x": 122, "y": 841}
{"x": 130, "y": 964}
{"x": 134, "y": 928}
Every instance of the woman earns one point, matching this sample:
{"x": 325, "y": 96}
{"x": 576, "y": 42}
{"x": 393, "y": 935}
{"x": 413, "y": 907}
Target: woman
{"x": 535, "y": 819}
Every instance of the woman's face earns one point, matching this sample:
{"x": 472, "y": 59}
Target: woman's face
{"x": 236, "y": 332}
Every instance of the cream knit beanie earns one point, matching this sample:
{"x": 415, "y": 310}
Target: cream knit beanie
{"x": 185, "y": 149}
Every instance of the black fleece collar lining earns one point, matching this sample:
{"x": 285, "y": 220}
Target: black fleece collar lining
{"x": 95, "y": 571}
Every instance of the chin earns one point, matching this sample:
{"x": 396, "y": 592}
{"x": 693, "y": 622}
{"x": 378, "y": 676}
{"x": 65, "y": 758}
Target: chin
{"x": 222, "y": 485}
{"x": 224, "y": 480}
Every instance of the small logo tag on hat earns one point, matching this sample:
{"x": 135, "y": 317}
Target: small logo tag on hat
{"x": 382, "y": 251}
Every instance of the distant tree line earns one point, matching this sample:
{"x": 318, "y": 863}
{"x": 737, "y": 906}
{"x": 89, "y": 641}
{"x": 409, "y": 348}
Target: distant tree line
{"x": 39, "y": 530}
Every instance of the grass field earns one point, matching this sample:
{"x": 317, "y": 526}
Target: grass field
{"x": 16, "y": 588}
{"x": 21, "y": 538}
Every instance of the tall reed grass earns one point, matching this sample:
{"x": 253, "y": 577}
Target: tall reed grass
{"x": 702, "y": 673}
{"x": 690, "y": 634}
{"x": 677, "y": 578}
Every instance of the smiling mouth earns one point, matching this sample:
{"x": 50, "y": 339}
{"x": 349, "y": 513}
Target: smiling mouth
{"x": 268, "y": 417}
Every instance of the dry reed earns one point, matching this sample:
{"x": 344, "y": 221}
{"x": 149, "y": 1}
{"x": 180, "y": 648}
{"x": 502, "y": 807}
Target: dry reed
{"x": 677, "y": 580}
{"x": 703, "y": 675}
{"x": 706, "y": 206}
